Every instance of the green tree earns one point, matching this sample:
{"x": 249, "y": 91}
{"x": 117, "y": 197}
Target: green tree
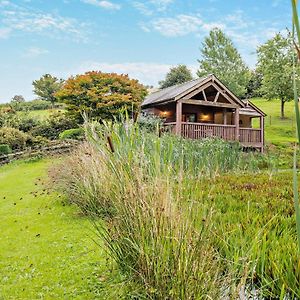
{"x": 221, "y": 58}
{"x": 275, "y": 63}
{"x": 254, "y": 85}
{"x": 101, "y": 95}
{"x": 176, "y": 75}
{"x": 46, "y": 87}
{"x": 17, "y": 101}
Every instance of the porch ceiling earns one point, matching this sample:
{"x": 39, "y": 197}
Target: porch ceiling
{"x": 208, "y": 103}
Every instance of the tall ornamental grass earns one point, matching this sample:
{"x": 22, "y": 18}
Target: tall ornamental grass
{"x": 158, "y": 228}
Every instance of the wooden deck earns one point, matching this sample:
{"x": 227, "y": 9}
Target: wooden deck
{"x": 248, "y": 137}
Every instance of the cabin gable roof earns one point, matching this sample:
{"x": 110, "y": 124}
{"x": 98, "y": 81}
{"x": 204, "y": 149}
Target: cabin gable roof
{"x": 188, "y": 89}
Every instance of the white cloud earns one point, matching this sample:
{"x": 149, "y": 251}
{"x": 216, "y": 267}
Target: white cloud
{"x": 181, "y": 25}
{"x": 146, "y": 73}
{"x": 238, "y": 20}
{"x": 142, "y": 8}
{"x": 206, "y": 27}
{"x": 16, "y": 18}
{"x": 245, "y": 32}
{"x": 149, "y": 7}
{"x": 161, "y": 4}
{"x": 4, "y": 33}
{"x": 103, "y": 4}
{"x": 4, "y": 3}
{"x": 34, "y": 52}
{"x": 177, "y": 26}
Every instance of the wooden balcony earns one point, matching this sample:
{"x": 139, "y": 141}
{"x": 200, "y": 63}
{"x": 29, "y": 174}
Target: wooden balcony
{"x": 248, "y": 137}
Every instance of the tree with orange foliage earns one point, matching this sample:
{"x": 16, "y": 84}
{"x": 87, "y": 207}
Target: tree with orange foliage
{"x": 100, "y": 95}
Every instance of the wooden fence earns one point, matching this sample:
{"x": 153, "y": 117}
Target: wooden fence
{"x": 43, "y": 151}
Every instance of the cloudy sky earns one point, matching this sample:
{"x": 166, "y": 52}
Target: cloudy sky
{"x": 142, "y": 38}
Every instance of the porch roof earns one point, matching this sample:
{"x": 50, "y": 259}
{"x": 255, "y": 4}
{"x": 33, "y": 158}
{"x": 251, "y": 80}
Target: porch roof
{"x": 251, "y": 110}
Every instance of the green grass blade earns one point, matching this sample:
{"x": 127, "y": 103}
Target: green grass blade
{"x": 296, "y": 196}
{"x": 295, "y": 177}
{"x": 296, "y": 19}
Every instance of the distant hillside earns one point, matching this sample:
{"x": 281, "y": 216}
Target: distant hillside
{"x": 41, "y": 113}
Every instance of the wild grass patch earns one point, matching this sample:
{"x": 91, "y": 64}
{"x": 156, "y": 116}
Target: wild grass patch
{"x": 185, "y": 219}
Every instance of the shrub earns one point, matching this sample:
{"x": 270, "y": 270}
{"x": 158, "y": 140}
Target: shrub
{"x": 150, "y": 123}
{"x": 73, "y": 134}
{"x": 5, "y": 149}
{"x": 53, "y": 126}
{"x": 27, "y": 123}
{"x": 13, "y": 137}
{"x": 9, "y": 117}
{"x": 37, "y": 141}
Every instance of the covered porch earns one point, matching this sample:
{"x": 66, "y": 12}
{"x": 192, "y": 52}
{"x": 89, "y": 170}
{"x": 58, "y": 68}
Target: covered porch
{"x": 193, "y": 120}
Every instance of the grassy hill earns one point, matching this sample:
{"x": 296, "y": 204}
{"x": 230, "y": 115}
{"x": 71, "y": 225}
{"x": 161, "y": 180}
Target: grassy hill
{"x": 277, "y": 130}
{"x": 40, "y": 114}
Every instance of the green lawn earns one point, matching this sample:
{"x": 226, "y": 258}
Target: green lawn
{"x": 277, "y": 130}
{"x": 46, "y": 251}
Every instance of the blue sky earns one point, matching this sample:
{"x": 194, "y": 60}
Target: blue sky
{"x": 140, "y": 38}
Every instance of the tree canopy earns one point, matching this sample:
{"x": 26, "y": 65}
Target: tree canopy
{"x": 176, "y": 75}
{"x": 275, "y": 63}
{"x": 46, "y": 87}
{"x": 17, "y": 99}
{"x": 101, "y": 95}
{"x": 254, "y": 85}
{"x": 221, "y": 58}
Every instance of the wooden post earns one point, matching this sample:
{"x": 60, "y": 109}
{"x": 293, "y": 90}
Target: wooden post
{"x": 178, "y": 117}
{"x": 237, "y": 124}
{"x": 262, "y": 133}
{"x": 224, "y": 116}
{"x": 204, "y": 95}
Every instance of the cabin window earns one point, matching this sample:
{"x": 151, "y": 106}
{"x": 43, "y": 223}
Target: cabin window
{"x": 192, "y": 118}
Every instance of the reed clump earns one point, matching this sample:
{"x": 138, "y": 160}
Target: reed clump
{"x": 176, "y": 220}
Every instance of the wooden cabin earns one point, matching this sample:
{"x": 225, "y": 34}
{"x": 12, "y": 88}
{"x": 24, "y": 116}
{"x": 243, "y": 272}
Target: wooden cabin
{"x": 205, "y": 107}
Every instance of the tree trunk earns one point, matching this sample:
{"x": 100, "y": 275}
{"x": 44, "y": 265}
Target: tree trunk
{"x": 282, "y": 109}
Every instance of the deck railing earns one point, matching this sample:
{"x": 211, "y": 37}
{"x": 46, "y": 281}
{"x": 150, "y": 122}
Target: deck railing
{"x": 250, "y": 135}
{"x": 247, "y": 136}
{"x": 200, "y": 131}
{"x": 170, "y": 127}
